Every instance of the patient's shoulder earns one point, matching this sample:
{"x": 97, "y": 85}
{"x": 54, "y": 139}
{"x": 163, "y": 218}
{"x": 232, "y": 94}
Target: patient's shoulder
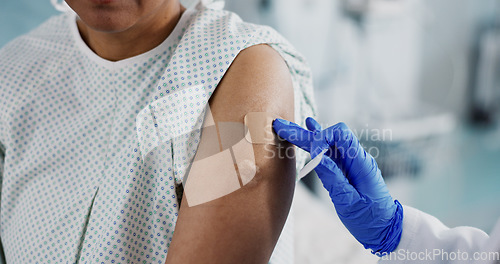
{"x": 257, "y": 81}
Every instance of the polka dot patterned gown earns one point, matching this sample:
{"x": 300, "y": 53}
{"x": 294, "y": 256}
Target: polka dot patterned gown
{"x": 93, "y": 152}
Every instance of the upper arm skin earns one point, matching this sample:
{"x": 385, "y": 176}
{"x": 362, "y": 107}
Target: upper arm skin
{"x": 244, "y": 226}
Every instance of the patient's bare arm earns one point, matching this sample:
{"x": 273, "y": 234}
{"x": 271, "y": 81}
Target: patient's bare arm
{"x": 244, "y": 226}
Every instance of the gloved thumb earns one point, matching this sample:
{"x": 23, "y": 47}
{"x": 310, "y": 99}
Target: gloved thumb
{"x": 319, "y": 144}
{"x": 313, "y": 125}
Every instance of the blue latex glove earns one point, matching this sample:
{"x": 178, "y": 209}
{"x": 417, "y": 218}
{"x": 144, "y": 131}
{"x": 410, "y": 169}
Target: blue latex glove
{"x": 351, "y": 176}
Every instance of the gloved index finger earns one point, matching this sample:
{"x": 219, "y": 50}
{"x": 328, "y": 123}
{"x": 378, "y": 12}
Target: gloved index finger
{"x": 294, "y": 133}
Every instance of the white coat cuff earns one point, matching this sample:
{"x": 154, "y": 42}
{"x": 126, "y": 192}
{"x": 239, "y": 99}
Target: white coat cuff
{"x": 411, "y": 223}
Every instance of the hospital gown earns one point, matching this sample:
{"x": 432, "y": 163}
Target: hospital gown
{"x": 94, "y": 152}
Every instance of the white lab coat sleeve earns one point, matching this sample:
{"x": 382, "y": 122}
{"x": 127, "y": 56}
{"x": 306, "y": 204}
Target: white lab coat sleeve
{"x": 426, "y": 240}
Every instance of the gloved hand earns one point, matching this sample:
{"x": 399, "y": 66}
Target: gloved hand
{"x": 351, "y": 176}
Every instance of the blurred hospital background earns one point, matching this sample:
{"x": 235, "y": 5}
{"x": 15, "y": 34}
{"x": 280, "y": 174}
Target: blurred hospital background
{"x": 417, "y": 80}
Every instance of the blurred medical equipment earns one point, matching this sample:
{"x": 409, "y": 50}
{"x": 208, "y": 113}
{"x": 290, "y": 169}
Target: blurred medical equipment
{"x": 485, "y": 97}
{"x": 395, "y": 122}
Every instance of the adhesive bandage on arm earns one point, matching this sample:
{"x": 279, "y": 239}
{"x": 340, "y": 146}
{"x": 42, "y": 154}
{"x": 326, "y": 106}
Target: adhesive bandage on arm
{"x": 225, "y": 160}
{"x": 260, "y": 131}
{"x": 260, "y": 128}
